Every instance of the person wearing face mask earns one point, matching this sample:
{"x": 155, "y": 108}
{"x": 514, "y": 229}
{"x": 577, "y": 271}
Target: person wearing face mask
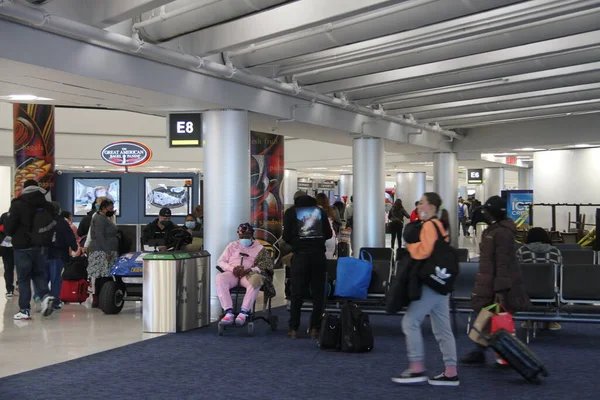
{"x": 420, "y": 245}
{"x": 103, "y": 248}
{"x": 84, "y": 225}
{"x": 159, "y": 228}
{"x": 499, "y": 279}
{"x": 247, "y": 263}
{"x": 193, "y": 227}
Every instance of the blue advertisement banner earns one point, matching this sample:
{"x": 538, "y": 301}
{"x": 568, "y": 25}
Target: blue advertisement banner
{"x": 517, "y": 203}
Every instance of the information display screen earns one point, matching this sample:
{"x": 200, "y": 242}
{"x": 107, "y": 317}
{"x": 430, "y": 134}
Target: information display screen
{"x": 185, "y": 130}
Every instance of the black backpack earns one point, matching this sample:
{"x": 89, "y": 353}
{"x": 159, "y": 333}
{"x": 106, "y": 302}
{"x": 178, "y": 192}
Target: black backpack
{"x": 76, "y": 269}
{"x": 357, "y": 336}
{"x": 43, "y": 228}
{"x": 440, "y": 270}
{"x": 330, "y": 334}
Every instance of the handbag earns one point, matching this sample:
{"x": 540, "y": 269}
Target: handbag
{"x": 354, "y": 276}
{"x": 490, "y": 320}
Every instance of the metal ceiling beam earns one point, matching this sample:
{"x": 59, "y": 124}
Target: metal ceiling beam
{"x": 504, "y": 20}
{"x": 547, "y": 109}
{"x": 495, "y": 99}
{"x": 512, "y": 80}
{"x": 522, "y": 119}
{"x": 288, "y": 18}
{"x": 528, "y": 51}
{"x": 108, "y": 13}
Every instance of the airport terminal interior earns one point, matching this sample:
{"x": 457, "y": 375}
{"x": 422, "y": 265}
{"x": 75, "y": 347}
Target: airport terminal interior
{"x": 194, "y": 136}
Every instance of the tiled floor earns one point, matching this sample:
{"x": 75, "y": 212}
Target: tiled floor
{"x": 79, "y": 330}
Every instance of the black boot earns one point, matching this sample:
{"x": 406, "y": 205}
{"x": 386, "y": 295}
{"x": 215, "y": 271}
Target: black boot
{"x": 475, "y": 358}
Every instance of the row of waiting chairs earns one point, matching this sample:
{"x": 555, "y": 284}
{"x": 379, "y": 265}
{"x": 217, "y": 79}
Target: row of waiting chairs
{"x": 560, "y": 294}
{"x": 575, "y": 254}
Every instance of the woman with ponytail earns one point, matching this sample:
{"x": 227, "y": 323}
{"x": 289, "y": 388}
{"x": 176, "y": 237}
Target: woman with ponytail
{"x": 431, "y": 303}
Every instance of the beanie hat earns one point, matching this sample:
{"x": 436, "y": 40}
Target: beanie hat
{"x": 496, "y": 206}
{"x": 245, "y": 228}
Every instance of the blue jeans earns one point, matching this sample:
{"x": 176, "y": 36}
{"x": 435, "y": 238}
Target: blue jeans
{"x": 53, "y": 273}
{"x": 30, "y": 267}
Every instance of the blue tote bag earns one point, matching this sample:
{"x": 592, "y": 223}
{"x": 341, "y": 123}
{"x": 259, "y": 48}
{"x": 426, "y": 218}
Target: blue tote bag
{"x": 354, "y": 276}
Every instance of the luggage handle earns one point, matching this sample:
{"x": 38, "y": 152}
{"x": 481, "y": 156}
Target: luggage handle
{"x": 362, "y": 256}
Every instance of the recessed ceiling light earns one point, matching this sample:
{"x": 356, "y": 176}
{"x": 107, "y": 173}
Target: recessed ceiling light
{"x": 577, "y": 146}
{"x": 88, "y": 166}
{"x": 529, "y": 149}
{"x": 26, "y": 97}
{"x": 504, "y": 154}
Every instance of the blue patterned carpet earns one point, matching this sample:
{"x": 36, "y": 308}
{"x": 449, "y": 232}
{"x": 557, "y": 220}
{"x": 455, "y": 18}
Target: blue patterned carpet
{"x": 201, "y": 365}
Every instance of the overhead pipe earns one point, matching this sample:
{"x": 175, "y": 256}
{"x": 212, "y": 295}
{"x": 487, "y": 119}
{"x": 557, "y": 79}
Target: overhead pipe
{"x": 164, "y": 16}
{"x": 326, "y": 28}
{"x": 40, "y": 18}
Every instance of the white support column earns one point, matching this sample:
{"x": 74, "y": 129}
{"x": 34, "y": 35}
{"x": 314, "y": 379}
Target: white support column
{"x": 369, "y": 194}
{"x": 345, "y": 185}
{"x": 410, "y": 186}
{"x": 226, "y": 183}
{"x": 493, "y": 182}
{"x": 525, "y": 178}
{"x": 445, "y": 183}
{"x": 290, "y": 186}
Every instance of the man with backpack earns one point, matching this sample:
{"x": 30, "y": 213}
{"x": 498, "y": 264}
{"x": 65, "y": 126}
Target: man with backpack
{"x": 31, "y": 225}
{"x": 58, "y": 254}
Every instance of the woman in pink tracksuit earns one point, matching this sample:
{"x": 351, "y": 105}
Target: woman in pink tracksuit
{"x": 247, "y": 262}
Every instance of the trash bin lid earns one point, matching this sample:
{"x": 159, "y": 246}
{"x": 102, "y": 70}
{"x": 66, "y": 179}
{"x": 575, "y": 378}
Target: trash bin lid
{"x": 159, "y": 256}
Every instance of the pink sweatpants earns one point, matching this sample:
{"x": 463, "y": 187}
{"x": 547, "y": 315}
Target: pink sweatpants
{"x": 226, "y": 281}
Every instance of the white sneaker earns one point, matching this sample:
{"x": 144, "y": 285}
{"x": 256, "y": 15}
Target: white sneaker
{"x": 10, "y": 294}
{"x": 47, "y": 305}
{"x": 21, "y": 315}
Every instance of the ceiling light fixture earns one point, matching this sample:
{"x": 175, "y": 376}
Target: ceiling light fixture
{"x": 26, "y": 97}
{"x": 529, "y": 149}
{"x": 580, "y": 146}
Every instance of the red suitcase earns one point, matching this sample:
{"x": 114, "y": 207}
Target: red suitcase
{"x": 74, "y": 291}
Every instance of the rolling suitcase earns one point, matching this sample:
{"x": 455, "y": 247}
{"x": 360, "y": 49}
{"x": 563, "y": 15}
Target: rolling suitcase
{"x": 74, "y": 291}
{"x": 517, "y": 355}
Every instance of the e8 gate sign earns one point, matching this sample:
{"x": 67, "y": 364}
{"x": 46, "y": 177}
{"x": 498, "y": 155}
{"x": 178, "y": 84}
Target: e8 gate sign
{"x": 185, "y": 129}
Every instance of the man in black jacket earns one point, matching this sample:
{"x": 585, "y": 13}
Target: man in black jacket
{"x": 160, "y": 227}
{"x": 58, "y": 254}
{"x": 29, "y": 260}
{"x": 306, "y": 228}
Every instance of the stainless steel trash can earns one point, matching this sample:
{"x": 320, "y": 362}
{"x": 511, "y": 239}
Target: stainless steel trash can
{"x": 176, "y": 291}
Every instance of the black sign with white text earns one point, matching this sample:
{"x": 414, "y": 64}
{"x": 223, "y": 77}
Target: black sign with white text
{"x": 475, "y": 176}
{"x": 185, "y": 130}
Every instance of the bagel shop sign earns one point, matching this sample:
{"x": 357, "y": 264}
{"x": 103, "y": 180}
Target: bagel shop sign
{"x": 126, "y": 154}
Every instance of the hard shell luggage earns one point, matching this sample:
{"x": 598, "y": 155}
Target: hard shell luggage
{"x": 517, "y": 355}
{"x": 74, "y": 291}
{"x": 330, "y": 334}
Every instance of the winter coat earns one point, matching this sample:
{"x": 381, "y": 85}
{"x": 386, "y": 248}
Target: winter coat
{"x": 306, "y": 227}
{"x": 539, "y": 253}
{"x": 397, "y": 214}
{"x": 65, "y": 240}
{"x": 19, "y": 222}
{"x": 499, "y": 271}
{"x": 84, "y": 225}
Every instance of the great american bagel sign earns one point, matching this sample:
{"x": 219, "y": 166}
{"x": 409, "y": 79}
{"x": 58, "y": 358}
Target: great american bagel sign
{"x": 126, "y": 154}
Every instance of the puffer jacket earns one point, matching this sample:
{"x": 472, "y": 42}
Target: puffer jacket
{"x": 499, "y": 271}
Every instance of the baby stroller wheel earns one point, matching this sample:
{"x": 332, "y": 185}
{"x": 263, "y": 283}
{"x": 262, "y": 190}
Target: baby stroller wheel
{"x": 220, "y": 329}
{"x": 251, "y": 328}
{"x": 274, "y": 321}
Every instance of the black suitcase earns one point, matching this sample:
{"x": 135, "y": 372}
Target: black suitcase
{"x": 356, "y": 332}
{"x": 517, "y": 355}
{"x": 330, "y": 334}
